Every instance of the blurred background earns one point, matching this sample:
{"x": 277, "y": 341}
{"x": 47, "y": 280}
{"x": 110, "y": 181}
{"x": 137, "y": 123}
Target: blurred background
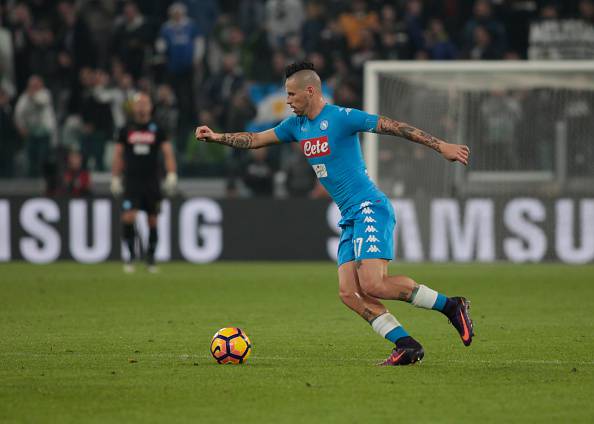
{"x": 68, "y": 70}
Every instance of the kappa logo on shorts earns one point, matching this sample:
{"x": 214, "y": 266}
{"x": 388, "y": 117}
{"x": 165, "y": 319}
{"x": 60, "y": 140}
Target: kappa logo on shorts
{"x": 373, "y": 249}
{"x": 364, "y": 204}
{"x": 370, "y": 229}
{"x": 315, "y": 147}
{"x": 367, "y": 211}
{"x": 372, "y": 239}
{"x": 369, "y": 220}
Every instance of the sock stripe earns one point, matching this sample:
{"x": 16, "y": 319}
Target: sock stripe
{"x": 440, "y": 302}
{"x": 387, "y": 326}
{"x": 396, "y": 334}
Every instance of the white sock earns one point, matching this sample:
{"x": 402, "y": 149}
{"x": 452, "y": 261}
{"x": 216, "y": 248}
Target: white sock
{"x": 425, "y": 297}
{"x": 387, "y": 326}
{"x": 384, "y": 323}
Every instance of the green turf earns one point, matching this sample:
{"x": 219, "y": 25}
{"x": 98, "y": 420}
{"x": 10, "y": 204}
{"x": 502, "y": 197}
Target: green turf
{"x": 90, "y": 344}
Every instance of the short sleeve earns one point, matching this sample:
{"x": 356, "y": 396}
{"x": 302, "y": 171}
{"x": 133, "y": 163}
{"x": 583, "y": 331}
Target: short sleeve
{"x": 122, "y": 136}
{"x": 285, "y": 130}
{"x": 359, "y": 121}
{"x": 161, "y": 136}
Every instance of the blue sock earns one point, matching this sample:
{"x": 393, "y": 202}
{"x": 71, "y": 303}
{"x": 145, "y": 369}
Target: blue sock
{"x": 386, "y": 325}
{"x": 395, "y": 334}
{"x": 440, "y": 302}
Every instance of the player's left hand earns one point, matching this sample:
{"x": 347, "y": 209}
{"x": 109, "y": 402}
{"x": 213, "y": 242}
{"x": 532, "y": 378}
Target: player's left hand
{"x": 170, "y": 183}
{"x": 455, "y": 152}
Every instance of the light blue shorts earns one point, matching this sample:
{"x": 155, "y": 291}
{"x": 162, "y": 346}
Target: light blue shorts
{"x": 367, "y": 231}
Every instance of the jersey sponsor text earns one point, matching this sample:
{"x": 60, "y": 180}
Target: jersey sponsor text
{"x": 315, "y": 147}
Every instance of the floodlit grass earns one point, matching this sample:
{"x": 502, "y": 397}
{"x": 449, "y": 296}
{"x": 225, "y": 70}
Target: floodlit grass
{"x": 90, "y": 344}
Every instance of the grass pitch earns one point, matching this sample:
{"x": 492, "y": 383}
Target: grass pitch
{"x": 90, "y": 344}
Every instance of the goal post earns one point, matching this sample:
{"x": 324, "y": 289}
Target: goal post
{"x": 526, "y": 123}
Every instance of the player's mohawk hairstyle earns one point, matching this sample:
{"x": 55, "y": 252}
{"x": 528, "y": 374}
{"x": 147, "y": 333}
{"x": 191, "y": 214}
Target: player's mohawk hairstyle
{"x": 299, "y": 66}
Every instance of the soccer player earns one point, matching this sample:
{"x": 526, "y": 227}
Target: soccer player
{"x": 136, "y": 156}
{"x": 328, "y": 138}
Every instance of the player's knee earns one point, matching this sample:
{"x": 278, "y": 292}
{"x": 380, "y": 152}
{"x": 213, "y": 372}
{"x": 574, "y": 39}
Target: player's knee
{"x": 348, "y": 297}
{"x": 128, "y": 217}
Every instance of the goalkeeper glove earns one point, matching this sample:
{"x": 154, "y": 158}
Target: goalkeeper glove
{"x": 170, "y": 183}
{"x": 116, "y": 186}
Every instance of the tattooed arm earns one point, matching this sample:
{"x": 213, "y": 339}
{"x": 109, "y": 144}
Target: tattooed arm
{"x": 452, "y": 152}
{"x": 239, "y": 140}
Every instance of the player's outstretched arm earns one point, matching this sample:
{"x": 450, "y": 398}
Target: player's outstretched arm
{"x": 451, "y": 152}
{"x": 239, "y": 140}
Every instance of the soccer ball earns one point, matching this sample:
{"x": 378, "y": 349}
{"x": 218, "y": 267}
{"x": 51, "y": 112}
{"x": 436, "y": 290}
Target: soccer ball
{"x": 230, "y": 346}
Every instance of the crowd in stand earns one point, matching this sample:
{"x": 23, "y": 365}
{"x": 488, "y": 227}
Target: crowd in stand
{"x": 69, "y": 68}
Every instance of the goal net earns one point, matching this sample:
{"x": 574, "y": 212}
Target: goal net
{"x": 529, "y": 125}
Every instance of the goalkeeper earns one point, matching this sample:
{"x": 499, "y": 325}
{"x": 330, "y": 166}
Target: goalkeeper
{"x": 136, "y": 159}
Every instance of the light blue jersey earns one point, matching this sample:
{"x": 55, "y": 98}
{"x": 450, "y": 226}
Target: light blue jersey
{"x": 332, "y": 148}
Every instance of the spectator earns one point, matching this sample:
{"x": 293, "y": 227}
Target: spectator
{"x": 229, "y": 39}
{"x": 76, "y": 181}
{"x": 123, "y": 92}
{"x": 75, "y": 46}
{"x": 9, "y": 143}
{"x": 95, "y": 105}
{"x": 301, "y": 179}
{"x": 357, "y": 22}
{"x": 132, "y": 39}
{"x": 293, "y": 49}
{"x": 501, "y": 115}
{"x": 278, "y": 64}
{"x": 35, "y": 120}
{"x": 388, "y": 18}
{"x": 43, "y": 56}
{"x": 586, "y": 10}
{"x": 320, "y": 64}
{"x": 333, "y": 42}
{"x": 313, "y": 25}
{"x": 7, "y": 77}
{"x": 394, "y": 40}
{"x": 250, "y": 16}
{"x": 204, "y": 13}
{"x": 182, "y": 43}
{"x": 241, "y": 111}
{"x": 365, "y": 52}
{"x": 483, "y": 17}
{"x": 319, "y": 191}
{"x": 438, "y": 43}
{"x": 414, "y": 25}
{"x": 258, "y": 173}
{"x": 166, "y": 113}
{"x": 549, "y": 12}
{"x": 21, "y": 24}
{"x": 220, "y": 87}
{"x": 346, "y": 95}
{"x": 283, "y": 18}
{"x": 483, "y": 47}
